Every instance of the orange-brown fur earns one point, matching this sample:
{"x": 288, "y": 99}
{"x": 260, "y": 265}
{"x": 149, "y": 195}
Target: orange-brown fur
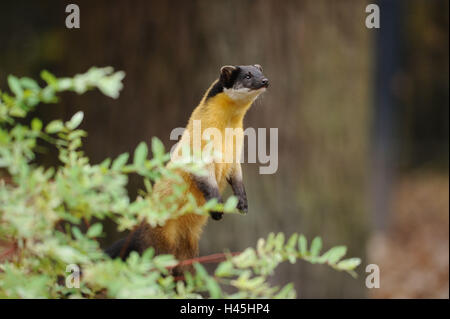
{"x": 180, "y": 236}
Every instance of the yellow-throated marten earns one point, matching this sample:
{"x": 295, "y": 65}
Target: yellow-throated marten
{"x": 223, "y": 106}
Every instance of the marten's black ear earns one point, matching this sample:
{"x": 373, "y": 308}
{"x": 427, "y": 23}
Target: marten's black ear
{"x": 226, "y": 75}
{"x": 258, "y": 66}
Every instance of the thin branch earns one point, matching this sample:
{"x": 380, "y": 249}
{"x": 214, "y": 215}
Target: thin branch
{"x": 209, "y": 259}
{"x": 9, "y": 251}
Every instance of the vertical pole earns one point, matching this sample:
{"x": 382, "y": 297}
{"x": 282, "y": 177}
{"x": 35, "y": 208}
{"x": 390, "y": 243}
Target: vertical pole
{"x": 385, "y": 109}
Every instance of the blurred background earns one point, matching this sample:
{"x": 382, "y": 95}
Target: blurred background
{"x": 362, "y": 117}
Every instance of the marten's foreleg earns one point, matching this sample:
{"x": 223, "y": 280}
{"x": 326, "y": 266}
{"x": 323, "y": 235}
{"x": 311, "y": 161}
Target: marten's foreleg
{"x": 209, "y": 188}
{"x": 237, "y": 185}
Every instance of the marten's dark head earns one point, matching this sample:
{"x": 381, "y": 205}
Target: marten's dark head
{"x": 248, "y": 77}
{"x": 244, "y": 82}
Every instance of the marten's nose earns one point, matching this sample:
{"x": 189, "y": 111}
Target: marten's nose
{"x": 265, "y": 82}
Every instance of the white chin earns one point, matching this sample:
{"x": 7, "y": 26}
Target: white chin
{"x": 243, "y": 94}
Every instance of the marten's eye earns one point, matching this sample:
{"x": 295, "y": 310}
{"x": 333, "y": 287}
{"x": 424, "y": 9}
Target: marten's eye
{"x": 248, "y": 76}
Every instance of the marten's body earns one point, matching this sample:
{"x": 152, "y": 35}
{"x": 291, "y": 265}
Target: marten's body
{"x": 223, "y": 107}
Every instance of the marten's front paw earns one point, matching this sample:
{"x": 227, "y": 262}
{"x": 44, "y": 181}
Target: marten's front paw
{"x": 216, "y": 215}
{"x": 242, "y": 206}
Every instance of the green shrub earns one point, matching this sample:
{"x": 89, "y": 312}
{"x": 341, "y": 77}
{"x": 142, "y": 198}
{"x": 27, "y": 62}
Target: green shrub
{"x": 44, "y": 210}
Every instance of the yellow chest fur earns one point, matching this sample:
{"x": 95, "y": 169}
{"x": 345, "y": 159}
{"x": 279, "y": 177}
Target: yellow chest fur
{"x": 225, "y": 116}
{"x": 221, "y": 113}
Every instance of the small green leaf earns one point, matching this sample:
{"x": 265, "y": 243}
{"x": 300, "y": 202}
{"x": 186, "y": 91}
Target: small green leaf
{"x": 212, "y": 286}
{"x": 140, "y": 154}
{"x": 349, "y": 264}
{"x": 302, "y": 244}
{"x": 211, "y": 204}
{"x": 279, "y": 241}
{"x": 230, "y": 205}
{"x": 77, "y": 233}
{"x": 287, "y": 292}
{"x": 54, "y": 126}
{"x": 64, "y": 84}
{"x": 95, "y": 230}
{"x": 105, "y": 163}
{"x": 148, "y": 185}
{"x": 335, "y": 254}
{"x": 15, "y": 86}
{"x": 75, "y": 120}
{"x": 29, "y": 83}
{"x": 120, "y": 161}
{"x": 111, "y": 85}
{"x": 200, "y": 271}
{"x": 157, "y": 147}
{"x": 164, "y": 261}
{"x": 224, "y": 269}
{"x": 316, "y": 246}
{"x": 36, "y": 124}
{"x": 48, "y": 95}
{"x": 76, "y": 134}
{"x": 292, "y": 241}
{"x": 49, "y": 78}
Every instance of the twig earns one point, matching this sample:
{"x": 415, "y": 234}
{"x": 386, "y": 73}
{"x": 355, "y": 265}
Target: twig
{"x": 209, "y": 259}
{"x": 8, "y": 251}
{"x": 214, "y": 258}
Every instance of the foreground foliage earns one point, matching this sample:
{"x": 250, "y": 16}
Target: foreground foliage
{"x": 46, "y": 213}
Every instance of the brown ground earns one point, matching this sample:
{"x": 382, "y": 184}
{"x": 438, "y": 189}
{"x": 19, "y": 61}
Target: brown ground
{"x": 413, "y": 255}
